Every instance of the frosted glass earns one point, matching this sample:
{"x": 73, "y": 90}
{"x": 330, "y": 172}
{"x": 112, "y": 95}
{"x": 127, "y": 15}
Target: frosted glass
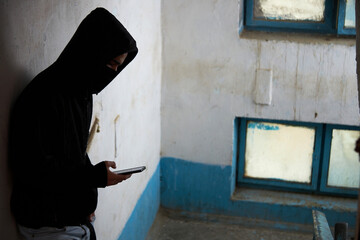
{"x": 350, "y": 14}
{"x": 344, "y": 161}
{"x": 294, "y": 10}
{"x": 279, "y": 151}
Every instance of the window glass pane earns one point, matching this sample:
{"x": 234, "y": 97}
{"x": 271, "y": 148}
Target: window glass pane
{"x": 344, "y": 161}
{"x": 350, "y": 14}
{"x": 279, "y": 151}
{"x": 294, "y": 10}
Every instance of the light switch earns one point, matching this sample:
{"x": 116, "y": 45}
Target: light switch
{"x": 263, "y": 87}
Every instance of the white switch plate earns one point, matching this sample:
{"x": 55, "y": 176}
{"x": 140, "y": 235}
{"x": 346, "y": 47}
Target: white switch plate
{"x": 263, "y": 87}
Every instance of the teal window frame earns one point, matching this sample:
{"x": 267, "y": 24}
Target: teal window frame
{"x": 342, "y": 30}
{"x": 326, "y": 161}
{"x": 334, "y": 19}
{"x": 320, "y": 164}
{"x": 275, "y": 182}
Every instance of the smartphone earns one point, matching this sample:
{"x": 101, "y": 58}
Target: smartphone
{"x": 130, "y": 170}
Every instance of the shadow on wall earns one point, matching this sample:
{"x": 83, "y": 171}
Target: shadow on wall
{"x": 12, "y": 81}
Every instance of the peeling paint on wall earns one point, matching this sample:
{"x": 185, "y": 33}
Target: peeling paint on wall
{"x": 263, "y": 126}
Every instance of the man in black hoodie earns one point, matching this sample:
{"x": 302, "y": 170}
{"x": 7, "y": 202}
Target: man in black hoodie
{"x": 55, "y": 184}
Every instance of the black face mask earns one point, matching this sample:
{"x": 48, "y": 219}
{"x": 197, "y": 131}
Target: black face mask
{"x": 101, "y": 78}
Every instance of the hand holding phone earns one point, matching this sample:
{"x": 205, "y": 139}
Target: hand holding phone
{"x": 115, "y": 177}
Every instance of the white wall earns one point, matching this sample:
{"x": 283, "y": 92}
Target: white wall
{"x": 209, "y": 78}
{"x": 32, "y": 35}
{"x": 135, "y": 98}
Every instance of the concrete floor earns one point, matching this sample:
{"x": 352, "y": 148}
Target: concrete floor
{"x": 169, "y": 226}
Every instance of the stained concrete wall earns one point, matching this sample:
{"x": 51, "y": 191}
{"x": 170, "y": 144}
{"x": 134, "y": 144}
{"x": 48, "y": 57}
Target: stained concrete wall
{"x": 32, "y": 35}
{"x": 209, "y": 78}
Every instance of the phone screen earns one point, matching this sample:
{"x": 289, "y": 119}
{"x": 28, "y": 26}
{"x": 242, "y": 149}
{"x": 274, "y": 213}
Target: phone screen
{"x": 130, "y": 170}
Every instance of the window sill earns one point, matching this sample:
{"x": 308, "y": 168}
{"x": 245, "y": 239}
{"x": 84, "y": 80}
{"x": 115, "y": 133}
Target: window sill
{"x": 337, "y": 204}
{"x": 298, "y": 37}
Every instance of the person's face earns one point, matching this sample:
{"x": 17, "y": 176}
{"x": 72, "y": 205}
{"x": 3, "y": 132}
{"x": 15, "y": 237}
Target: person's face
{"x": 117, "y": 61}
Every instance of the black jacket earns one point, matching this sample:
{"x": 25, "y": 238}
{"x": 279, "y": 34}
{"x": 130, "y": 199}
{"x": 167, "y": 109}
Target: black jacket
{"x": 55, "y": 184}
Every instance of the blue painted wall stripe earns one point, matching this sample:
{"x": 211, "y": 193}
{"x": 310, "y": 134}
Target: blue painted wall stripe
{"x": 145, "y": 211}
{"x": 207, "y": 189}
{"x": 203, "y": 188}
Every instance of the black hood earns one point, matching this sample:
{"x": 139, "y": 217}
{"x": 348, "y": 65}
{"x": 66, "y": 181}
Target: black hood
{"x": 99, "y": 38}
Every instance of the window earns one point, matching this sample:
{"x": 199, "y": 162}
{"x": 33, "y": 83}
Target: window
{"x": 320, "y": 16}
{"x": 341, "y": 163}
{"x": 298, "y": 156}
{"x": 346, "y": 20}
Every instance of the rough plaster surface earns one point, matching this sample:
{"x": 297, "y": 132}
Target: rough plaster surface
{"x": 32, "y": 36}
{"x": 209, "y": 77}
